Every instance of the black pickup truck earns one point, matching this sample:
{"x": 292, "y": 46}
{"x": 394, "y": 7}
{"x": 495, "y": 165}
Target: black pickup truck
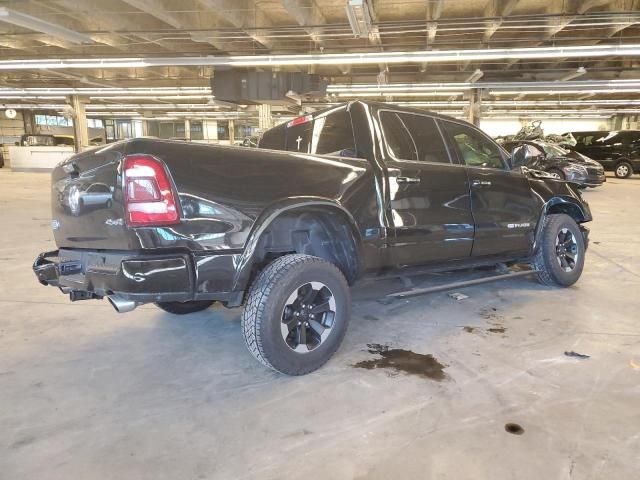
{"x": 359, "y": 189}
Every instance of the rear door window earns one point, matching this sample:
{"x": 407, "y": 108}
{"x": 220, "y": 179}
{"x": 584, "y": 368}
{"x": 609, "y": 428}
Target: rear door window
{"x": 413, "y": 137}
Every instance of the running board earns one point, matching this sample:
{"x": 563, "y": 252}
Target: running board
{"x": 449, "y": 286}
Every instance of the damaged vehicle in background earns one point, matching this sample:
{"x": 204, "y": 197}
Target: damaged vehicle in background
{"x": 559, "y": 163}
{"x": 286, "y": 228}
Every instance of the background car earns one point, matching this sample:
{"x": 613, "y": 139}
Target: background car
{"x": 561, "y": 163}
{"x": 617, "y": 151}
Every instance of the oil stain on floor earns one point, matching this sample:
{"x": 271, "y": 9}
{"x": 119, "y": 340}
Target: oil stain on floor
{"x": 404, "y": 361}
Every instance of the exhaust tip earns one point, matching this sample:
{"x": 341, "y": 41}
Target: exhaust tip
{"x": 121, "y": 305}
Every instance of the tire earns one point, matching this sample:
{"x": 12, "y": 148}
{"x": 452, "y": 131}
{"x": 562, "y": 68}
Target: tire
{"x": 184, "y": 308}
{"x": 623, "y": 170}
{"x": 550, "y": 268}
{"x": 274, "y": 315}
{"x": 557, "y": 173}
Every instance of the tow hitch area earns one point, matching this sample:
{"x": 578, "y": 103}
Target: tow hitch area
{"x": 77, "y": 295}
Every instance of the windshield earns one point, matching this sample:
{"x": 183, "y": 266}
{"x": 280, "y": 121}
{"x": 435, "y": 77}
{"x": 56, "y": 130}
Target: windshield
{"x": 553, "y": 150}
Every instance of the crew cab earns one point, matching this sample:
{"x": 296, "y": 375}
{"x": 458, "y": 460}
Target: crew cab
{"x": 285, "y": 228}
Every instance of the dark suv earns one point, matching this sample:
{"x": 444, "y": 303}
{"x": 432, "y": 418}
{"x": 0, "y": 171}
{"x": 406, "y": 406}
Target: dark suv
{"x": 617, "y": 151}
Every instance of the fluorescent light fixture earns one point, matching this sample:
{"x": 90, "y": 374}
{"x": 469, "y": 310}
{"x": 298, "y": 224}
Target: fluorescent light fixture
{"x": 626, "y": 111}
{"x": 563, "y": 116}
{"x": 369, "y": 58}
{"x": 496, "y": 86}
{"x": 34, "y": 97}
{"x": 145, "y": 97}
{"x": 208, "y": 114}
{"x": 32, "y": 23}
{"x": 559, "y": 103}
{"x": 435, "y": 104}
{"x": 88, "y": 91}
{"x": 564, "y": 91}
{"x": 402, "y": 87}
{"x": 114, "y": 114}
{"x": 149, "y": 106}
{"x": 33, "y": 106}
{"x": 359, "y": 16}
{"x": 399, "y": 93}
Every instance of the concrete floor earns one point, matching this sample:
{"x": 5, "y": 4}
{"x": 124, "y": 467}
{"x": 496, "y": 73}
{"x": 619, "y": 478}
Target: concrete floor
{"x": 86, "y": 393}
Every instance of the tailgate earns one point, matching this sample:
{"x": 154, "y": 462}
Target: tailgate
{"x": 86, "y": 201}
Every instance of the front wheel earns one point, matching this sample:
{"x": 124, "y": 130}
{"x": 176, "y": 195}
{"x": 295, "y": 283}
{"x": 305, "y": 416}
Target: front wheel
{"x": 296, "y": 314}
{"x": 560, "y": 256}
{"x": 624, "y": 170}
{"x": 556, "y": 173}
{"x": 184, "y": 308}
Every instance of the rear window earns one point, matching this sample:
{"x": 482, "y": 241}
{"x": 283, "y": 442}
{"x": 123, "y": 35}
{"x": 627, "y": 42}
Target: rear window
{"x": 273, "y": 138}
{"x": 413, "y": 137}
{"x": 299, "y": 137}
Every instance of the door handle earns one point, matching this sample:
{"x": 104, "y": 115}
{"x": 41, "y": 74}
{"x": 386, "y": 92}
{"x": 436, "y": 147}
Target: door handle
{"x": 407, "y": 180}
{"x": 480, "y": 183}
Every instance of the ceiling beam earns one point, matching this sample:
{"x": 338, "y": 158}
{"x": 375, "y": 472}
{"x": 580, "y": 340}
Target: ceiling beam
{"x": 587, "y": 5}
{"x": 307, "y": 14}
{"x": 497, "y": 8}
{"x": 434, "y": 12}
{"x": 29, "y": 22}
{"x": 157, "y": 9}
{"x": 555, "y": 25}
{"x": 74, "y": 76}
{"x": 235, "y": 12}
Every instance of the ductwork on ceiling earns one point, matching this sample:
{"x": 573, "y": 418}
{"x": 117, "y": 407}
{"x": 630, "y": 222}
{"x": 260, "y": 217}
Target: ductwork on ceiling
{"x": 250, "y": 86}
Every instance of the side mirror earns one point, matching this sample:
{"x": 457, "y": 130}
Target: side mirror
{"x": 520, "y": 156}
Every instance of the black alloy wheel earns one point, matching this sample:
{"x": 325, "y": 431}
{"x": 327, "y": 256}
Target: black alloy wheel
{"x": 567, "y": 252}
{"x": 308, "y": 316}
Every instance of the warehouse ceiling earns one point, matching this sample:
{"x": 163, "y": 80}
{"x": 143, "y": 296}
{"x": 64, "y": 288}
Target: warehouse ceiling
{"x": 153, "y": 44}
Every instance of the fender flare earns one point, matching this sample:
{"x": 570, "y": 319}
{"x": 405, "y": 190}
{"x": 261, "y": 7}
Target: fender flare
{"x": 557, "y": 200}
{"x": 269, "y": 215}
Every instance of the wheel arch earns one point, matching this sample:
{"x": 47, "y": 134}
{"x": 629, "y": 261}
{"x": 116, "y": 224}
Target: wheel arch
{"x": 624, "y": 160}
{"x": 562, "y": 205}
{"x": 558, "y": 205}
{"x": 312, "y": 226}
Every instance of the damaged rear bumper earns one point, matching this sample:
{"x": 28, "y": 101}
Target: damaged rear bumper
{"x": 125, "y": 277}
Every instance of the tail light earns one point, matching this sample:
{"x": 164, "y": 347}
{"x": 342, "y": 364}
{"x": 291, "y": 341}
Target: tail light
{"x": 148, "y": 194}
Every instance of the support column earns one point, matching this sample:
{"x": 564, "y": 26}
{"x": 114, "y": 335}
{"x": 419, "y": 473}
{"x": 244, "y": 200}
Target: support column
{"x": 187, "y": 129}
{"x": 475, "y": 105}
{"x": 265, "y": 121}
{"x": 232, "y": 132}
{"x": 29, "y": 123}
{"x": 80, "y": 132}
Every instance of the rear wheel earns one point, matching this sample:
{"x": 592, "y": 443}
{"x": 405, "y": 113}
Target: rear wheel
{"x": 623, "y": 170}
{"x": 296, "y": 314}
{"x": 183, "y": 308}
{"x": 560, "y": 256}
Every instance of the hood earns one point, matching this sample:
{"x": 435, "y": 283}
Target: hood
{"x": 577, "y": 157}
